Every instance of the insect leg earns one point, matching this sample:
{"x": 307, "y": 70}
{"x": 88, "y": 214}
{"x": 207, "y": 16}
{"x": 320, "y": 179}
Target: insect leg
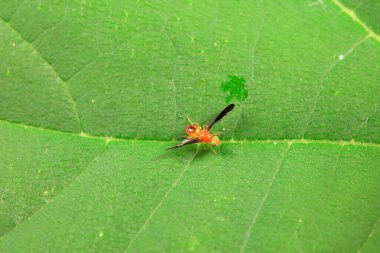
{"x": 213, "y": 150}
{"x": 219, "y": 133}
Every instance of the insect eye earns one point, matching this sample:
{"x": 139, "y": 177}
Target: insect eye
{"x": 190, "y": 129}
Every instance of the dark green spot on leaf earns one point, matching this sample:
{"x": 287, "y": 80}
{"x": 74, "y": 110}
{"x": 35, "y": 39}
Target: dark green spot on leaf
{"x": 235, "y": 88}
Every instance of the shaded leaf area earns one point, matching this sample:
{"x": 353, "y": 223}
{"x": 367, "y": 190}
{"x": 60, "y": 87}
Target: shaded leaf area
{"x": 116, "y": 69}
{"x": 262, "y": 197}
{"x": 367, "y": 10}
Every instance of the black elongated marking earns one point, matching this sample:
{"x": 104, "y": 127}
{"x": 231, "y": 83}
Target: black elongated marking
{"x": 221, "y": 115}
{"x": 185, "y": 142}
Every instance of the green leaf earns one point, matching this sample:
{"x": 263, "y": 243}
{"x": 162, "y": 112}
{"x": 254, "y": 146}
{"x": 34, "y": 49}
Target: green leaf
{"x": 365, "y": 10}
{"x": 91, "y": 94}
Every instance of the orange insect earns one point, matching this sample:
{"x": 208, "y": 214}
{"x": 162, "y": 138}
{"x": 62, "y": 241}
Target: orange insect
{"x": 196, "y": 134}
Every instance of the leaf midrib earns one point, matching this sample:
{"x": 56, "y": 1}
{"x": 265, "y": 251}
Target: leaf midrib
{"x": 108, "y": 139}
{"x": 357, "y": 20}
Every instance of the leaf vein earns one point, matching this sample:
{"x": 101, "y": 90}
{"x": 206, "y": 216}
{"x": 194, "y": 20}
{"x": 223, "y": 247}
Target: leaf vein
{"x": 145, "y": 224}
{"x": 59, "y": 193}
{"x": 231, "y": 141}
{"x": 370, "y": 234}
{"x": 257, "y": 213}
{"x": 353, "y": 15}
{"x": 322, "y": 82}
{"x": 65, "y": 87}
{"x": 253, "y": 68}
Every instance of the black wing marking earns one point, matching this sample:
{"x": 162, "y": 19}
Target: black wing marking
{"x": 185, "y": 142}
{"x": 221, "y": 115}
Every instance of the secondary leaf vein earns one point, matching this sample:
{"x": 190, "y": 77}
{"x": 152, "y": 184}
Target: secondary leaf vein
{"x": 142, "y": 228}
{"x": 324, "y": 78}
{"x": 63, "y": 190}
{"x": 370, "y": 234}
{"x": 65, "y": 87}
{"x": 256, "y": 215}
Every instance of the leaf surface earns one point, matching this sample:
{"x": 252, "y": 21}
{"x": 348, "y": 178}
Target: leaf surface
{"x": 93, "y": 92}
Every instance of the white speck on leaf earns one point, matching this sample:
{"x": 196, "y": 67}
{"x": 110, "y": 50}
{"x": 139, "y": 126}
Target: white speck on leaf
{"x": 341, "y": 57}
{"x": 220, "y": 218}
{"x": 316, "y": 3}
{"x": 101, "y": 234}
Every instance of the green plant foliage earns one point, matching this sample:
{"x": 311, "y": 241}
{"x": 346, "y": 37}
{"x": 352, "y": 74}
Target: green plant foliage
{"x": 367, "y": 10}
{"x": 92, "y": 92}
